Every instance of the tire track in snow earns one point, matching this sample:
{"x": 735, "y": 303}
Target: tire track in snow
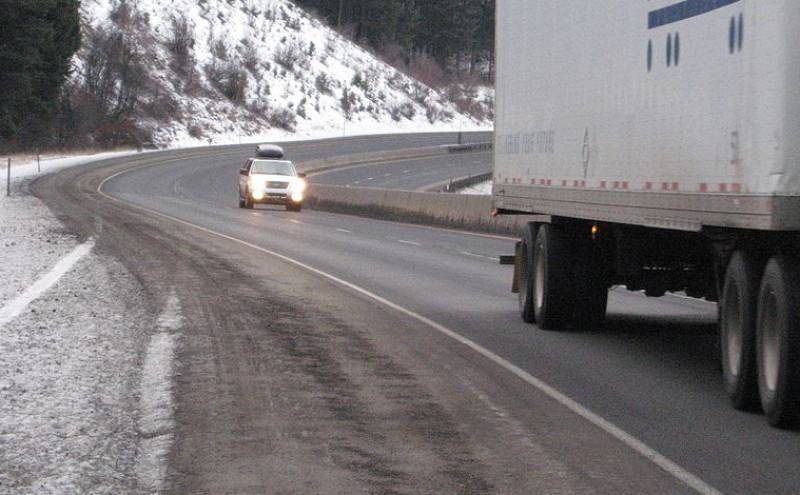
{"x": 157, "y": 399}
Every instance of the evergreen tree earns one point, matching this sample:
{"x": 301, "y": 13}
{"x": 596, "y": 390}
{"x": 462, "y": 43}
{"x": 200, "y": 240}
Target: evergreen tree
{"x": 458, "y": 34}
{"x": 37, "y": 41}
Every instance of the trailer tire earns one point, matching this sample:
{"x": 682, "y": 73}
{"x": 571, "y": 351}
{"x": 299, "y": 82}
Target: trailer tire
{"x": 778, "y": 342}
{"x": 737, "y": 330}
{"x": 591, "y": 288}
{"x": 553, "y": 294}
{"x": 524, "y": 273}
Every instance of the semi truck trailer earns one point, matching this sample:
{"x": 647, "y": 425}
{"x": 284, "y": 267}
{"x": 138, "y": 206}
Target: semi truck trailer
{"x": 657, "y": 144}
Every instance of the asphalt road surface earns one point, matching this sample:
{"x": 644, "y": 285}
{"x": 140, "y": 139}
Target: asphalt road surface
{"x": 409, "y": 175}
{"x": 320, "y": 358}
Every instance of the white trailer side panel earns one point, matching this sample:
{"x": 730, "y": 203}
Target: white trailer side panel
{"x": 677, "y": 114}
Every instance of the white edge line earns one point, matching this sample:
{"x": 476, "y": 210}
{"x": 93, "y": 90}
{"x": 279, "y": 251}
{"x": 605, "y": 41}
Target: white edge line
{"x": 17, "y": 305}
{"x": 410, "y": 243}
{"x": 626, "y": 438}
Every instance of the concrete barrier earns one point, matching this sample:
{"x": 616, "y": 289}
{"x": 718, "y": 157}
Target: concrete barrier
{"x": 460, "y": 211}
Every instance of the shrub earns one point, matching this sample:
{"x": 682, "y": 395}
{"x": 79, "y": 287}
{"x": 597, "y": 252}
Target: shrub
{"x": 323, "y": 84}
{"x": 283, "y": 119}
{"x": 250, "y": 58}
{"x": 196, "y": 131}
{"x": 230, "y": 80}
{"x": 181, "y": 44}
{"x": 403, "y": 111}
{"x": 292, "y": 56}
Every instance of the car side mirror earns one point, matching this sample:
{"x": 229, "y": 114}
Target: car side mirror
{"x": 244, "y": 172}
{"x": 302, "y": 176}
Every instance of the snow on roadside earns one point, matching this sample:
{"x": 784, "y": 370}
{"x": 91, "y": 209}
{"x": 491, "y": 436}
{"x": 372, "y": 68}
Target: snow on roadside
{"x": 70, "y": 362}
{"x": 24, "y": 167}
{"x": 484, "y": 188}
{"x": 157, "y": 398}
{"x": 67, "y": 396}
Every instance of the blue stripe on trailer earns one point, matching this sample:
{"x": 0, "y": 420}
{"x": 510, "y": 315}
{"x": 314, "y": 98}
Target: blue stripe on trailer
{"x": 685, "y": 10}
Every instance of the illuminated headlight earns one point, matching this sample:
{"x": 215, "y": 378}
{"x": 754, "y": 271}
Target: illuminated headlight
{"x": 257, "y": 188}
{"x": 298, "y": 185}
{"x": 297, "y": 190}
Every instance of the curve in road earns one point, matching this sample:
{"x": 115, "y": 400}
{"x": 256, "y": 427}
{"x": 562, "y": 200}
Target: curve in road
{"x": 652, "y": 372}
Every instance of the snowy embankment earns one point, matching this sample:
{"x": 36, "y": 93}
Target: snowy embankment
{"x": 483, "y": 188}
{"x": 234, "y": 71}
{"x": 73, "y": 330}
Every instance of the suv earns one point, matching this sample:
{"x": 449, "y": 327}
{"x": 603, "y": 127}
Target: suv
{"x": 268, "y": 179}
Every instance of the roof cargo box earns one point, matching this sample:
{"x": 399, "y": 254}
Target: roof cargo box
{"x": 269, "y": 151}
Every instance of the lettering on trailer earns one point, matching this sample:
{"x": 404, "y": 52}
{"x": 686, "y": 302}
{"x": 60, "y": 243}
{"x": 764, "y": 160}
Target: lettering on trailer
{"x": 685, "y": 10}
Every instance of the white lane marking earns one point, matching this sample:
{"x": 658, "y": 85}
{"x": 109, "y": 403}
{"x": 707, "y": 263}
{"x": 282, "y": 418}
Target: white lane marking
{"x": 641, "y": 293}
{"x": 473, "y": 255}
{"x": 410, "y": 243}
{"x": 17, "y": 305}
{"x": 357, "y": 182}
{"x": 157, "y": 401}
{"x": 295, "y": 221}
{"x": 626, "y": 438}
{"x": 693, "y": 299}
{"x": 387, "y": 175}
{"x": 371, "y": 178}
{"x": 406, "y": 171}
{"x": 343, "y": 231}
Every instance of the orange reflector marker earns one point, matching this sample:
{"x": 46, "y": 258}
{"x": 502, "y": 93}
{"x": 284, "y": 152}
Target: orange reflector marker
{"x": 595, "y": 231}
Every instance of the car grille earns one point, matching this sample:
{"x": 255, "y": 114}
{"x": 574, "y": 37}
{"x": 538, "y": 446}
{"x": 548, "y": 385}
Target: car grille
{"x": 277, "y": 185}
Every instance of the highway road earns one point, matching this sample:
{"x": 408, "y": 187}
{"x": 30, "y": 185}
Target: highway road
{"x": 409, "y": 175}
{"x": 360, "y": 355}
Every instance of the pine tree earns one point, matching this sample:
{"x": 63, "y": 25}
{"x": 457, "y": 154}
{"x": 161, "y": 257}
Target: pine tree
{"x": 458, "y": 34}
{"x": 37, "y": 42}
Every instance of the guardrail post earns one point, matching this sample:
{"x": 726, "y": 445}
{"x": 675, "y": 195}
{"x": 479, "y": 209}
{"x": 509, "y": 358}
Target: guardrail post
{"x": 8, "y": 179}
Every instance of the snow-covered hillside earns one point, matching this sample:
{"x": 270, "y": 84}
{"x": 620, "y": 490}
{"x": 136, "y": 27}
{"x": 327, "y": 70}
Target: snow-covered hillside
{"x": 233, "y": 70}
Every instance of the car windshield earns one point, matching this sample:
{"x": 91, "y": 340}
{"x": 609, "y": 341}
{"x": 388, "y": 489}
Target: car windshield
{"x": 272, "y": 167}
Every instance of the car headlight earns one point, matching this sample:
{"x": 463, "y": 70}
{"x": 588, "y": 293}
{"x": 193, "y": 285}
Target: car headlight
{"x": 298, "y": 186}
{"x": 297, "y": 189}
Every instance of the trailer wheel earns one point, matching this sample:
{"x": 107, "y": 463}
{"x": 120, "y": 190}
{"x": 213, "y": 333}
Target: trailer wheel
{"x": 591, "y": 289}
{"x": 553, "y": 294}
{"x": 778, "y": 342}
{"x": 737, "y": 334}
{"x": 524, "y": 271}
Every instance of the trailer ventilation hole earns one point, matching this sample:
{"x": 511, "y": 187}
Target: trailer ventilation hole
{"x": 669, "y": 50}
{"x": 741, "y": 32}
